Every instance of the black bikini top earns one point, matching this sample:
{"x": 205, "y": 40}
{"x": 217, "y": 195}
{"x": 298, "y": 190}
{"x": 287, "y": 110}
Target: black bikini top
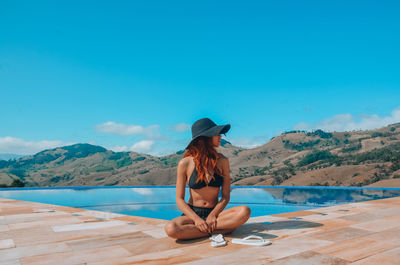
{"x": 215, "y": 182}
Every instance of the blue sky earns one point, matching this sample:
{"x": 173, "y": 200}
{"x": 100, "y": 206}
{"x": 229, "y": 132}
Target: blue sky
{"x": 133, "y": 75}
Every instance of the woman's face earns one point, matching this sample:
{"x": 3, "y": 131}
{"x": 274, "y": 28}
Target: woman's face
{"x": 216, "y": 140}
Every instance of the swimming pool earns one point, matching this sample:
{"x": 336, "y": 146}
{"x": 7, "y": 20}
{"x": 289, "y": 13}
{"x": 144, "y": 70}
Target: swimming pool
{"x": 159, "y": 202}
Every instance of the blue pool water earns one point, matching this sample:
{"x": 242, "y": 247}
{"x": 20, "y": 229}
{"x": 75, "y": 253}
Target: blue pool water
{"x": 159, "y": 202}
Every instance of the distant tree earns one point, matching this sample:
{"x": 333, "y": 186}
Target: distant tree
{"x": 17, "y": 183}
{"x": 316, "y": 156}
{"x": 376, "y": 134}
{"x": 320, "y": 133}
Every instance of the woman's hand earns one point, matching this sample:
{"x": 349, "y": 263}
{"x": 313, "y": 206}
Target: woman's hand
{"x": 201, "y": 225}
{"x": 212, "y": 222}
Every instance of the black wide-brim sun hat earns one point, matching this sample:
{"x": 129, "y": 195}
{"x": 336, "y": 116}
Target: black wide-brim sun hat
{"x": 206, "y": 127}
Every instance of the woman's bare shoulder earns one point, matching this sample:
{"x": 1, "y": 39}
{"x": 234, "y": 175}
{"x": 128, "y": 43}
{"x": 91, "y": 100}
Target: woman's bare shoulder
{"x": 222, "y": 157}
{"x": 185, "y": 162}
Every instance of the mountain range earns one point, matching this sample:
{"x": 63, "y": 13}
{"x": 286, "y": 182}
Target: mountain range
{"x": 294, "y": 158}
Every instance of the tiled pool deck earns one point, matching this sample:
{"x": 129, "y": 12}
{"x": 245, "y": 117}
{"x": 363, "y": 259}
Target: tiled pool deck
{"x": 357, "y": 233}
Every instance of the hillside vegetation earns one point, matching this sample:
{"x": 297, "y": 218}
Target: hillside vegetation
{"x": 357, "y": 158}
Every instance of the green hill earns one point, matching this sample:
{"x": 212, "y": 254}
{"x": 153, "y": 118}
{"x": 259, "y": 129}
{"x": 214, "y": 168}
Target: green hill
{"x": 357, "y": 158}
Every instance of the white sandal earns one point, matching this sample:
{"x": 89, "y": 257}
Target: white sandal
{"x": 217, "y": 240}
{"x": 246, "y": 241}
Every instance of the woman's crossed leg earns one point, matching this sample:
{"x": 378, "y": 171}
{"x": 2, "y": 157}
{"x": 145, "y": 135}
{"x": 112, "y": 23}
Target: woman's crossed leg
{"x": 183, "y": 227}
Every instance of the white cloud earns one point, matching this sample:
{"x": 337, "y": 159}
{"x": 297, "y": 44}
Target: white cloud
{"x": 128, "y": 129}
{"x": 347, "y": 122}
{"x": 181, "y": 127}
{"x": 143, "y": 191}
{"x": 119, "y": 148}
{"x": 19, "y": 146}
{"x": 247, "y": 142}
{"x": 142, "y": 146}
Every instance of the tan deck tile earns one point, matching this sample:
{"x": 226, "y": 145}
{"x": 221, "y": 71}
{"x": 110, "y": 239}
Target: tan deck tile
{"x": 310, "y": 257}
{"x": 262, "y": 255}
{"x": 98, "y": 214}
{"x": 357, "y": 207}
{"x": 380, "y": 224}
{"x": 284, "y": 234}
{"x": 32, "y": 224}
{"x": 284, "y": 229}
{"x": 67, "y": 209}
{"x": 5, "y": 235}
{"x": 258, "y": 262}
{"x": 291, "y": 224}
{"x": 152, "y": 245}
{"x": 332, "y": 208}
{"x": 108, "y": 240}
{"x": 334, "y": 223}
{"x": 370, "y": 216}
{"x": 203, "y": 248}
{"x": 294, "y": 214}
{"x": 40, "y": 209}
{"x": 354, "y": 208}
{"x": 85, "y": 226}
{"x": 126, "y": 228}
{"x": 77, "y": 257}
{"x": 51, "y": 217}
{"x": 34, "y": 250}
{"x": 345, "y": 212}
{"x": 239, "y": 257}
{"x": 253, "y": 228}
{"x": 340, "y": 234}
{"x": 322, "y": 216}
{"x": 6, "y": 200}
{"x": 44, "y": 235}
{"x": 27, "y": 217}
{"x": 276, "y": 230}
{"x": 88, "y": 218}
{"x": 12, "y": 203}
{"x": 395, "y": 217}
{"x": 172, "y": 256}
{"x": 10, "y": 262}
{"x": 390, "y": 257}
{"x": 53, "y": 237}
{"x": 388, "y": 201}
{"x": 61, "y": 220}
{"x": 389, "y": 235}
{"x": 4, "y": 228}
{"x": 290, "y": 246}
{"x": 198, "y": 247}
{"x": 25, "y": 234}
{"x": 16, "y": 210}
{"x": 355, "y": 249}
{"x": 156, "y": 233}
{"x": 141, "y": 220}
{"x": 6, "y": 243}
{"x": 265, "y": 219}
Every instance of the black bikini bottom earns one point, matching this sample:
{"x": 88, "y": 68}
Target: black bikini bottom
{"x": 202, "y": 212}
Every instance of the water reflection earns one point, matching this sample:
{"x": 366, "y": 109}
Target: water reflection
{"x": 160, "y": 202}
{"x": 326, "y": 197}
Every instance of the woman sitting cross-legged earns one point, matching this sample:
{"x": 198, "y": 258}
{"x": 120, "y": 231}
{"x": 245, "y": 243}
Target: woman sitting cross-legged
{"x": 206, "y": 171}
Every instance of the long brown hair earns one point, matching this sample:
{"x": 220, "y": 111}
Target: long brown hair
{"x": 204, "y": 155}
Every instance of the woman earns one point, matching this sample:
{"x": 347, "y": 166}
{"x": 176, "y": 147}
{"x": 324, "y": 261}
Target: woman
{"x": 206, "y": 172}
